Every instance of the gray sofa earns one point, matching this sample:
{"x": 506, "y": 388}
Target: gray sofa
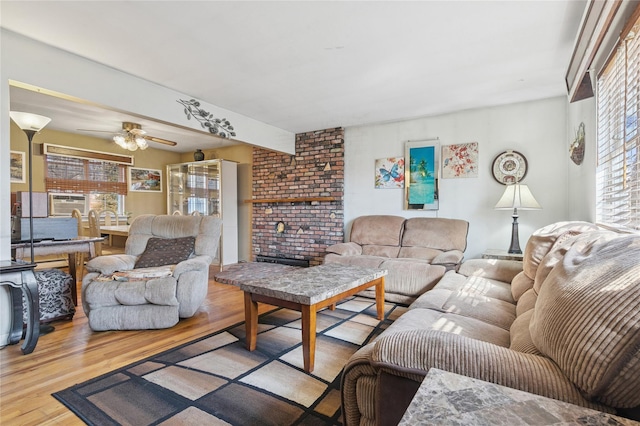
{"x": 564, "y": 324}
{"x": 416, "y": 252}
{"x": 162, "y": 277}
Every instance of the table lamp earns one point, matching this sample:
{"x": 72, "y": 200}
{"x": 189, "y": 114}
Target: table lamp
{"x": 516, "y": 196}
{"x": 30, "y": 124}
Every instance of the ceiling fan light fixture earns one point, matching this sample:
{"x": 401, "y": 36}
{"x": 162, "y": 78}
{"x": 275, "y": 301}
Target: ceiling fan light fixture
{"x": 120, "y": 141}
{"x": 141, "y": 143}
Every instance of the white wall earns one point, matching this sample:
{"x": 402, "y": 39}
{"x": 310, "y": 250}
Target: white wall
{"x": 536, "y": 129}
{"x": 582, "y": 178}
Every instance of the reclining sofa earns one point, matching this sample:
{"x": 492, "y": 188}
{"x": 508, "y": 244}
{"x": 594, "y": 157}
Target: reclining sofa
{"x": 564, "y": 324}
{"x": 416, "y": 252}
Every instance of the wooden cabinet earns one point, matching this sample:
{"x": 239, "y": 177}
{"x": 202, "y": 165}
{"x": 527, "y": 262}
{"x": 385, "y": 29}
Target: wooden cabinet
{"x": 209, "y": 188}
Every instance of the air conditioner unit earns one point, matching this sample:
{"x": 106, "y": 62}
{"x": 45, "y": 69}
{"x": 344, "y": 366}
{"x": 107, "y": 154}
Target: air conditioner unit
{"x": 63, "y": 204}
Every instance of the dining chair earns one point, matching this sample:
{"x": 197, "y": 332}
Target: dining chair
{"x": 77, "y": 214}
{"x": 94, "y": 229}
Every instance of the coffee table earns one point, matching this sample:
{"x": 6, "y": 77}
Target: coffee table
{"x": 308, "y": 290}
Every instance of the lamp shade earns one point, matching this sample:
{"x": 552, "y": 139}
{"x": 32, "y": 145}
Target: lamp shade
{"x": 28, "y": 121}
{"x": 517, "y": 197}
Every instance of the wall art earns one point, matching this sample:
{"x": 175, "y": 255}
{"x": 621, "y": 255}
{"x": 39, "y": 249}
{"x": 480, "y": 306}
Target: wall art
{"x": 390, "y": 173}
{"x": 421, "y": 185}
{"x": 145, "y": 180}
{"x": 17, "y": 167}
{"x": 576, "y": 150}
{"x": 460, "y": 160}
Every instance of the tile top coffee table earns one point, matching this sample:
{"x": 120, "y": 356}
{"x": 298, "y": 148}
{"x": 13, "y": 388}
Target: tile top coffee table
{"x": 306, "y": 290}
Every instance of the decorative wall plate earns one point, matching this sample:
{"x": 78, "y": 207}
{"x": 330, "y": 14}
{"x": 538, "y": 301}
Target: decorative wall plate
{"x": 509, "y": 167}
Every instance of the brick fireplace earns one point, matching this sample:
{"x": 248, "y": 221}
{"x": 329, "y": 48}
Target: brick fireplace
{"x": 298, "y": 199}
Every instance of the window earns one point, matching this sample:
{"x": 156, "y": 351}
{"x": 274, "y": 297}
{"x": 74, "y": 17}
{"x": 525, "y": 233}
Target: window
{"x": 618, "y": 160}
{"x": 104, "y": 182}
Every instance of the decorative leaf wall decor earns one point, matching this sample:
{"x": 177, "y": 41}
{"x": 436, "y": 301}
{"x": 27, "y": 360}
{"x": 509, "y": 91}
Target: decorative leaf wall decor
{"x": 217, "y": 126}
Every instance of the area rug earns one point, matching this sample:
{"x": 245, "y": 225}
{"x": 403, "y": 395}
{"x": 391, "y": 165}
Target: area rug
{"x": 215, "y": 380}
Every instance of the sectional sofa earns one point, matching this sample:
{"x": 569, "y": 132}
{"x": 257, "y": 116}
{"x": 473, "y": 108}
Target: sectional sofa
{"x": 416, "y": 252}
{"x": 564, "y": 323}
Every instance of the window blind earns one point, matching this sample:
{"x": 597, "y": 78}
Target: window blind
{"x": 618, "y": 157}
{"x": 66, "y": 174}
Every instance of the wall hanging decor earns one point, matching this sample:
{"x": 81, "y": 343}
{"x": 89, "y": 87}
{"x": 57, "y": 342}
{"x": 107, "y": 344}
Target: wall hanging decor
{"x": 576, "y": 150}
{"x": 460, "y": 160}
{"x": 421, "y": 186}
{"x": 145, "y": 180}
{"x": 509, "y": 167}
{"x": 217, "y": 126}
{"x": 17, "y": 166}
{"x": 389, "y": 173}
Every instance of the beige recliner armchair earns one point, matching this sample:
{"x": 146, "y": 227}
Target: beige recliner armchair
{"x": 162, "y": 277}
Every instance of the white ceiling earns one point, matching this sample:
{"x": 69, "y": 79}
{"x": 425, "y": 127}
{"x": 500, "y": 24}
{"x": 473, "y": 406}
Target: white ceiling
{"x": 309, "y": 65}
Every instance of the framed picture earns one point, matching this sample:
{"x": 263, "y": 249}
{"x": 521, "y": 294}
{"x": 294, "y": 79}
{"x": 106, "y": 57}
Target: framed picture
{"x": 421, "y": 182}
{"x": 145, "y": 180}
{"x": 389, "y": 173}
{"x": 17, "y": 167}
{"x": 460, "y": 160}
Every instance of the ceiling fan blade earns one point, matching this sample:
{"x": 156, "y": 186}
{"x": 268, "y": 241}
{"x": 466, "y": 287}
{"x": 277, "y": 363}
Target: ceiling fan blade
{"x": 160, "y": 140}
{"x": 95, "y": 131}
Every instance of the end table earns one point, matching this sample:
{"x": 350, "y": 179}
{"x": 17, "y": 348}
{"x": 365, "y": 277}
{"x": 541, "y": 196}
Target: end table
{"x": 21, "y": 280}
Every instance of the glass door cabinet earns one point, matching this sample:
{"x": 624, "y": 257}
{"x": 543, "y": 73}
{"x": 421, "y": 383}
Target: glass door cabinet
{"x": 207, "y": 188}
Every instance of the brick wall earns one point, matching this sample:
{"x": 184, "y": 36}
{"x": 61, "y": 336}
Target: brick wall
{"x": 317, "y": 170}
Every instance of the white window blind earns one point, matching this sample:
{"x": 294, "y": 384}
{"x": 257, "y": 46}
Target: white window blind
{"x": 618, "y": 160}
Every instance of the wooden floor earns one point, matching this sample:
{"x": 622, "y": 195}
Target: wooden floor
{"x": 73, "y": 353}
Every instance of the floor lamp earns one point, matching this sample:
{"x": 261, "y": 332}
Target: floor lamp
{"x": 30, "y": 124}
{"x": 516, "y": 197}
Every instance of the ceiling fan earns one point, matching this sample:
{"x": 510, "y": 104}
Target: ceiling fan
{"x": 133, "y": 137}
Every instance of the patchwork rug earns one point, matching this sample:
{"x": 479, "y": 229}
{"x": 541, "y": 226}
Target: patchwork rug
{"x": 215, "y": 380}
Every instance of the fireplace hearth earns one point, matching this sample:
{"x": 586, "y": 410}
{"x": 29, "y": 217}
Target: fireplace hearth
{"x": 283, "y": 260}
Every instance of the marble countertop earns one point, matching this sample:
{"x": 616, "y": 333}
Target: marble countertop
{"x": 247, "y": 271}
{"x": 450, "y": 399}
{"x": 310, "y": 285}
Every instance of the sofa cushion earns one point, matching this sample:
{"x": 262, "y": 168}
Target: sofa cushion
{"x": 345, "y": 249}
{"x": 543, "y": 239}
{"x": 377, "y": 230}
{"x": 521, "y": 336}
{"x": 438, "y": 233}
{"x": 166, "y": 251}
{"x": 476, "y": 284}
{"x": 427, "y": 319}
{"x": 473, "y": 305}
{"x": 382, "y": 251}
{"x": 526, "y": 302}
{"x": 424, "y": 253}
{"x": 520, "y": 284}
{"x": 157, "y": 291}
{"x": 107, "y": 265}
{"x": 410, "y": 278}
{"x": 587, "y": 317}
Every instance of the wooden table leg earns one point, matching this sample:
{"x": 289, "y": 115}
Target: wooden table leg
{"x": 250, "y": 321}
{"x": 308, "y": 336}
{"x": 74, "y": 277}
{"x": 380, "y": 298}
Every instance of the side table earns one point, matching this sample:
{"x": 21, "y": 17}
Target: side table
{"x": 451, "y": 399}
{"x": 21, "y": 280}
{"x": 501, "y": 254}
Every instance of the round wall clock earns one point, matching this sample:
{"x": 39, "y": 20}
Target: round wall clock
{"x": 509, "y": 167}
